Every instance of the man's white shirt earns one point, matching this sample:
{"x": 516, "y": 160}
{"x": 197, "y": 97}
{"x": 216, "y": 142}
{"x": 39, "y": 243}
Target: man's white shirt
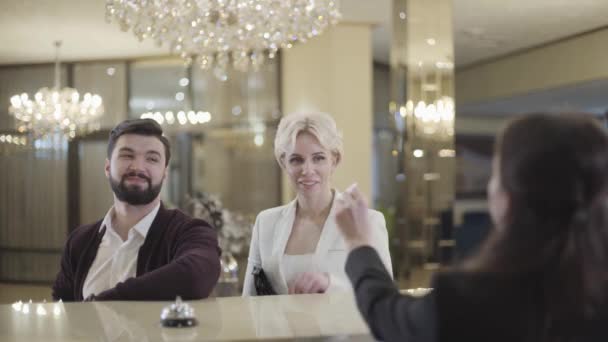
{"x": 116, "y": 260}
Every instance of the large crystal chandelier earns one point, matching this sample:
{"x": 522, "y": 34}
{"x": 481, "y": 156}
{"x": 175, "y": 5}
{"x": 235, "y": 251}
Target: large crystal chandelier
{"x": 56, "y": 111}
{"x": 217, "y": 33}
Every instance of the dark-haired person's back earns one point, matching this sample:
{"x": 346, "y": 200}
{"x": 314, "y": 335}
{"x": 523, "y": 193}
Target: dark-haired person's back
{"x": 464, "y": 306}
{"x": 491, "y": 307}
{"x": 541, "y": 275}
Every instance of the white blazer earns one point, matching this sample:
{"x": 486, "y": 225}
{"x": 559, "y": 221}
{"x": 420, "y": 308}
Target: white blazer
{"x": 272, "y": 230}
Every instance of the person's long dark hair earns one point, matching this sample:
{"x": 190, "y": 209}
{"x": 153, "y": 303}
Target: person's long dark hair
{"x": 554, "y": 169}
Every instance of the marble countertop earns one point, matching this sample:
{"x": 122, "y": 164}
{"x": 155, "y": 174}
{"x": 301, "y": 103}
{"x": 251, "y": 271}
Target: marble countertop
{"x": 325, "y": 317}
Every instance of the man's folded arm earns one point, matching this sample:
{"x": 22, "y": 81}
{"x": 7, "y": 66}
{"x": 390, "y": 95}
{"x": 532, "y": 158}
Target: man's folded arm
{"x": 191, "y": 274}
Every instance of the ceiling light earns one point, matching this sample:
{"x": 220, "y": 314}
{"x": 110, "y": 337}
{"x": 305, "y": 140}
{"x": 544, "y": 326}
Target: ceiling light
{"x": 444, "y": 65}
{"x": 222, "y": 33}
{"x": 56, "y": 110}
{"x": 258, "y": 140}
{"x": 446, "y": 153}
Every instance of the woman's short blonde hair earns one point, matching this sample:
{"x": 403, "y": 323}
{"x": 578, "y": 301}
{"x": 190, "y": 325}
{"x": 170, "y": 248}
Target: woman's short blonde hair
{"x": 321, "y": 125}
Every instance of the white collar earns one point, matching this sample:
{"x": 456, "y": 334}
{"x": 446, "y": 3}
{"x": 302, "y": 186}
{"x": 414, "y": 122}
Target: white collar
{"x": 142, "y": 227}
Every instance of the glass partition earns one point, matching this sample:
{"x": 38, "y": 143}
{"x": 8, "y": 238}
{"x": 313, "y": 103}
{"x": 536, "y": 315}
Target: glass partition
{"x": 221, "y": 130}
{"x": 224, "y": 149}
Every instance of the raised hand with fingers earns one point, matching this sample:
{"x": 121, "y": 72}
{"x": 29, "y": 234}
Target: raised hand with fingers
{"x": 352, "y": 218}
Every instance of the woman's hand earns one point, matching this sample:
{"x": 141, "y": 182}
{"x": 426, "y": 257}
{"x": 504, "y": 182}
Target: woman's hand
{"x": 309, "y": 282}
{"x": 352, "y": 218}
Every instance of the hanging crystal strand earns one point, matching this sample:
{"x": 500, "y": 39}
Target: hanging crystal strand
{"x": 56, "y": 93}
{"x": 57, "y": 82}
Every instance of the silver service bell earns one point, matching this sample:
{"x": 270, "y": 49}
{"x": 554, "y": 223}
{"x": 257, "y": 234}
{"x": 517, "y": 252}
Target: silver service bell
{"x": 178, "y": 315}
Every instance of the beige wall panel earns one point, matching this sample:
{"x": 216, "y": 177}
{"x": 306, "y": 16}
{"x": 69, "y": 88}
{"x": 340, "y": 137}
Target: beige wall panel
{"x": 333, "y": 73}
{"x": 579, "y": 59}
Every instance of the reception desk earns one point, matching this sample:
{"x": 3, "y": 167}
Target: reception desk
{"x": 327, "y": 317}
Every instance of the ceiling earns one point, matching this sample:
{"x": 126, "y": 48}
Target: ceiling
{"x": 483, "y": 28}
{"x": 489, "y": 28}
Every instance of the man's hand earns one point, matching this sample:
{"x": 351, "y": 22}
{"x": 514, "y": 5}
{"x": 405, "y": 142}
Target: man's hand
{"x": 352, "y": 218}
{"x": 309, "y": 282}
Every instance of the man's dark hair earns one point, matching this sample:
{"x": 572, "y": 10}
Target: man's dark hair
{"x": 147, "y": 127}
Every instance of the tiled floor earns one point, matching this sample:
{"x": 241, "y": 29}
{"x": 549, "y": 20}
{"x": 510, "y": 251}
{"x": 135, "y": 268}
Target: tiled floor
{"x": 10, "y": 293}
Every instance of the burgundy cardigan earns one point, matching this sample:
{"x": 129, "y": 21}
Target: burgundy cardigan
{"x": 180, "y": 256}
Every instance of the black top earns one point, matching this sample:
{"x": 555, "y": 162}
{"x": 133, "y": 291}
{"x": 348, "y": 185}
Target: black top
{"x": 180, "y": 256}
{"x": 463, "y": 306}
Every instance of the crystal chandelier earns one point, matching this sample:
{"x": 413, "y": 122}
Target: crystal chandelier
{"x": 217, "y": 33}
{"x": 56, "y": 110}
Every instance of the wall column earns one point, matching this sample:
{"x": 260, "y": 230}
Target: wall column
{"x": 422, "y": 104}
{"x": 332, "y": 73}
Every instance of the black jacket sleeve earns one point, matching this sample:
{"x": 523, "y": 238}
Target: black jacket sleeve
{"x": 390, "y": 315}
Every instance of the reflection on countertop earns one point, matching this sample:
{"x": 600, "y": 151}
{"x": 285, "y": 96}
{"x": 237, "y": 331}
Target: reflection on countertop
{"x": 328, "y": 317}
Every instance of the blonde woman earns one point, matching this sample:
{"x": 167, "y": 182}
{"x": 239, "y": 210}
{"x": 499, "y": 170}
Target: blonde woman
{"x": 297, "y": 246}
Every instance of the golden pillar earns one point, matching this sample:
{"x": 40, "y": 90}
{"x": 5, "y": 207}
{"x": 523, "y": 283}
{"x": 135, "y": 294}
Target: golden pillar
{"x": 422, "y": 105}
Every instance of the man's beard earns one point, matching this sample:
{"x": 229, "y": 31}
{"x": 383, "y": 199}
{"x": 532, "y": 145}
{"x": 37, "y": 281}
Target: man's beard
{"x": 133, "y": 194}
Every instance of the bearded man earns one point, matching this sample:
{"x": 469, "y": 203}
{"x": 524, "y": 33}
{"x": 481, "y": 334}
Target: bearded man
{"x": 140, "y": 250}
